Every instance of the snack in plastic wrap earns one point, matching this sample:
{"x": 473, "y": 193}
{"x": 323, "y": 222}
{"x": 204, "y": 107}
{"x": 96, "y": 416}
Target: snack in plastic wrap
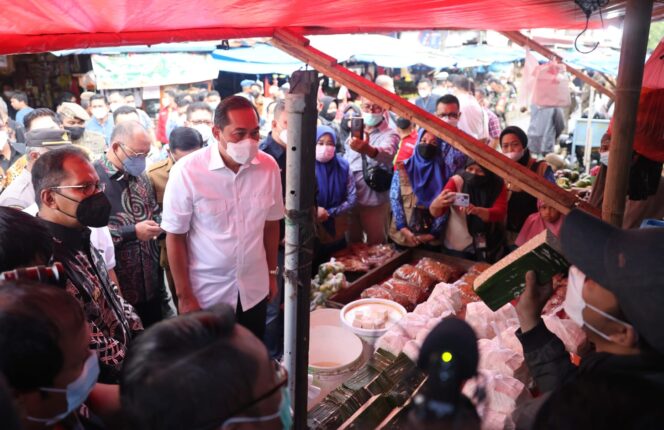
{"x": 478, "y": 268}
{"x": 324, "y": 287}
{"x": 451, "y": 293}
{"x": 441, "y": 272}
{"x": 509, "y": 340}
{"x": 412, "y": 350}
{"x": 353, "y": 263}
{"x": 568, "y": 332}
{"x": 468, "y": 294}
{"x": 393, "y": 342}
{"x": 377, "y": 292}
{"x": 410, "y": 325}
{"x": 411, "y": 292}
{"x": 496, "y": 357}
{"x": 416, "y": 276}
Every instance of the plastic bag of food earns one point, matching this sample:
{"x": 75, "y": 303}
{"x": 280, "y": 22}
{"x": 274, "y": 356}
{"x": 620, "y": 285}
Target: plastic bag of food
{"x": 412, "y": 293}
{"x": 467, "y": 291}
{"x": 441, "y": 272}
{"x": 479, "y": 316}
{"x": 410, "y": 325}
{"x": 418, "y": 277}
{"x": 392, "y": 342}
{"x": 503, "y": 395}
{"x": 568, "y": 332}
{"x": 377, "y": 292}
{"x": 451, "y": 293}
{"x": 496, "y": 357}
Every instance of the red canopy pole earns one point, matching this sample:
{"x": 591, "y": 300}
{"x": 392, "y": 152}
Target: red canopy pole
{"x": 630, "y": 76}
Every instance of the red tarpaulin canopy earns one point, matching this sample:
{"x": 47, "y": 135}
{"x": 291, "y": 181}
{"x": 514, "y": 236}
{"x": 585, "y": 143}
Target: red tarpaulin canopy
{"x": 47, "y": 25}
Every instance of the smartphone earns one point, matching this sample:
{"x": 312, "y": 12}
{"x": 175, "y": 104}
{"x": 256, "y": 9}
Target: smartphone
{"x": 357, "y": 127}
{"x": 461, "y": 199}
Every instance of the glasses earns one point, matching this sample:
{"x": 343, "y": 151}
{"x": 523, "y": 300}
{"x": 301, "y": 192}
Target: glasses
{"x": 367, "y": 107}
{"x": 452, "y": 115}
{"x": 87, "y": 189}
{"x": 201, "y": 121}
{"x": 133, "y": 153}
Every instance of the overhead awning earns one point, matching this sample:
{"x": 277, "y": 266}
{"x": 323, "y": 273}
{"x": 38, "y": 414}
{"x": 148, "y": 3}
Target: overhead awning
{"x": 259, "y": 59}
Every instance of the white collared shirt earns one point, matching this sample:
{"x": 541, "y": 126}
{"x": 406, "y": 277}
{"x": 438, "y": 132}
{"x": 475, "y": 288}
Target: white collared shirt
{"x": 224, "y": 215}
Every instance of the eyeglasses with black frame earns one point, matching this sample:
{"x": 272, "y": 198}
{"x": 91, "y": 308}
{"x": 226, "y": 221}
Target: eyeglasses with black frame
{"x": 87, "y": 189}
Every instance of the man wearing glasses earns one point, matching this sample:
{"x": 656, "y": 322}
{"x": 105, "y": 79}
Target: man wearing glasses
{"x": 448, "y": 109}
{"x": 71, "y": 199}
{"x": 379, "y": 146}
{"x": 134, "y": 220}
{"x": 199, "y": 117}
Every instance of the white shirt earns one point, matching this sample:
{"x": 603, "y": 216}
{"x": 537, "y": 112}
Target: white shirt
{"x": 100, "y": 238}
{"x": 224, "y": 215}
{"x": 472, "y": 116}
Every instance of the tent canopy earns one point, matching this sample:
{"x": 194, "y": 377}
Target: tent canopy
{"x": 49, "y": 25}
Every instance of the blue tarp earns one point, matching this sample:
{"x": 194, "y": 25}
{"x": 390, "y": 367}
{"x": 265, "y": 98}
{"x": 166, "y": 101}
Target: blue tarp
{"x": 259, "y": 59}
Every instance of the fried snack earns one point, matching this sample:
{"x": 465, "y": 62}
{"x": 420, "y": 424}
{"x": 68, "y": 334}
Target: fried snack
{"x": 441, "y": 272}
{"x": 419, "y": 277}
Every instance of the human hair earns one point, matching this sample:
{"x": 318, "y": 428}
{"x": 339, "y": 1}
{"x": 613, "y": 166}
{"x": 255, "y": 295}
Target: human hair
{"x": 49, "y": 170}
{"x": 195, "y": 360}
{"x": 181, "y": 100}
{"x": 403, "y": 123}
{"x": 198, "y": 106}
{"x": 123, "y": 110}
{"x": 23, "y": 239}
{"x": 448, "y": 99}
{"x": 8, "y": 414}
{"x": 98, "y": 97}
{"x": 170, "y": 93}
{"x": 34, "y": 319}
{"x": 461, "y": 82}
{"x": 65, "y": 97}
{"x": 425, "y": 81}
{"x": 228, "y": 104}
{"x": 38, "y": 113}
{"x": 518, "y": 132}
{"x": 213, "y": 93}
{"x": 125, "y": 130}
{"x": 19, "y": 96}
{"x": 185, "y": 139}
{"x": 200, "y": 96}
{"x": 279, "y": 108}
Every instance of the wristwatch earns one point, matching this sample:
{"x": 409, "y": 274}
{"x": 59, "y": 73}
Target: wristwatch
{"x": 275, "y": 272}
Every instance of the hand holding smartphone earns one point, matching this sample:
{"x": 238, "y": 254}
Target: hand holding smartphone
{"x": 461, "y": 200}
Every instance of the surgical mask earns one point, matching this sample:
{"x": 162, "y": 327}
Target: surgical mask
{"x": 76, "y": 392}
{"x": 99, "y": 112}
{"x": 604, "y": 158}
{"x": 324, "y": 153}
{"x": 205, "y": 131}
{"x": 75, "y": 132}
{"x": 135, "y": 166}
{"x": 131, "y": 104}
{"x": 454, "y": 122}
{"x": 372, "y": 119}
{"x": 93, "y": 211}
{"x": 114, "y": 106}
{"x": 574, "y": 304}
{"x": 213, "y": 105}
{"x": 516, "y": 156}
{"x": 244, "y": 151}
{"x": 4, "y": 139}
{"x": 426, "y": 151}
{"x": 284, "y": 414}
{"x": 423, "y": 93}
{"x": 283, "y": 135}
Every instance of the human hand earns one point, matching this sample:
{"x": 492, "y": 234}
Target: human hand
{"x": 273, "y": 290}
{"x": 409, "y": 237}
{"x": 481, "y": 213}
{"x": 188, "y": 304}
{"x": 532, "y": 301}
{"x": 147, "y": 230}
{"x": 425, "y": 238}
{"x": 322, "y": 215}
{"x": 446, "y": 198}
{"x": 363, "y": 147}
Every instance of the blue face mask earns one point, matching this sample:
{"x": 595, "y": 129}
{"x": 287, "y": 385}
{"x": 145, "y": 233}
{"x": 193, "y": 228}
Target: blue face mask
{"x": 284, "y": 414}
{"x": 76, "y": 392}
{"x": 135, "y": 166}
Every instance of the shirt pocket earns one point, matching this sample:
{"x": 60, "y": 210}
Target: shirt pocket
{"x": 257, "y": 207}
{"x": 213, "y": 214}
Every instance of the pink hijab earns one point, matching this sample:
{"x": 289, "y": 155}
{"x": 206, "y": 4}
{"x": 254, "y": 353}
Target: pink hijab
{"x": 535, "y": 224}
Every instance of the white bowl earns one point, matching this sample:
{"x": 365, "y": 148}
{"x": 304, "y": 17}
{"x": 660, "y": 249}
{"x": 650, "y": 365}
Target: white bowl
{"x": 395, "y": 313}
{"x": 332, "y": 348}
{"x": 325, "y": 317}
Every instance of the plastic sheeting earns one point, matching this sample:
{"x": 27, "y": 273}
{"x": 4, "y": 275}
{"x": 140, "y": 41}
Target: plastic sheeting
{"x": 49, "y": 25}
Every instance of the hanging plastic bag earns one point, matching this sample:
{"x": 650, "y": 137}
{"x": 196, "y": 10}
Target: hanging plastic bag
{"x": 551, "y": 86}
{"x": 525, "y": 93}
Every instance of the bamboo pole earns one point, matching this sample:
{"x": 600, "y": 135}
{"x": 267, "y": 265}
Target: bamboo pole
{"x": 630, "y": 75}
{"x": 298, "y": 46}
{"x": 300, "y": 194}
{"x": 523, "y": 40}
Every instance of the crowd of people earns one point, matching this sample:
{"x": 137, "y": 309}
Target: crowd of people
{"x": 137, "y": 221}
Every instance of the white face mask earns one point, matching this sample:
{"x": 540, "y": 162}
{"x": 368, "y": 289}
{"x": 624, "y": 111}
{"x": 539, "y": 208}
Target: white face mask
{"x": 213, "y": 106}
{"x": 99, "y": 112}
{"x": 205, "y": 131}
{"x": 516, "y": 156}
{"x": 423, "y": 93}
{"x": 574, "y": 304}
{"x": 604, "y": 158}
{"x": 283, "y": 135}
{"x": 324, "y": 153}
{"x": 114, "y": 106}
{"x": 4, "y": 139}
{"x": 244, "y": 151}
{"x": 454, "y": 122}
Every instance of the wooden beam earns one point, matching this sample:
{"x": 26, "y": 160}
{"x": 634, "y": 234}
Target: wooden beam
{"x": 523, "y": 40}
{"x": 298, "y": 46}
{"x": 630, "y": 77}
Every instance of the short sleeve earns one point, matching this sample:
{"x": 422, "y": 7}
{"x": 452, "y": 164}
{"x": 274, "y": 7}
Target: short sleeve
{"x": 277, "y": 211}
{"x": 102, "y": 240}
{"x": 178, "y": 202}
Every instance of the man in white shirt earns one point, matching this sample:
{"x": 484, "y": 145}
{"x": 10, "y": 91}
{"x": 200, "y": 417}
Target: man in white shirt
{"x": 222, "y": 208}
{"x": 472, "y": 115}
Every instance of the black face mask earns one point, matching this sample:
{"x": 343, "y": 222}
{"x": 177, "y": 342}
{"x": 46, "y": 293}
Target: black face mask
{"x": 426, "y": 151}
{"x": 329, "y": 115}
{"x": 75, "y": 132}
{"x": 93, "y": 211}
{"x": 474, "y": 180}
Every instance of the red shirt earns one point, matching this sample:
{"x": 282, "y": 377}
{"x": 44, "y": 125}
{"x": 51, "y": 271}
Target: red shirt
{"x": 162, "y": 118}
{"x": 497, "y": 212}
{"x": 406, "y": 148}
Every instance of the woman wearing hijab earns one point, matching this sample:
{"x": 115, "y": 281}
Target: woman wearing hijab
{"x": 335, "y": 197}
{"x": 546, "y": 218}
{"x": 415, "y": 185}
{"x": 514, "y": 144}
{"x": 327, "y": 114}
{"x": 475, "y": 231}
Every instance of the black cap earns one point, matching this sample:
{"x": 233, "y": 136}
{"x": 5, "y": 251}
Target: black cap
{"x": 451, "y": 339}
{"x": 629, "y": 263}
{"x": 47, "y": 138}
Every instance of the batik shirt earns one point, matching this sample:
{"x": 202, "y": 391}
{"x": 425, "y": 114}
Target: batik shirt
{"x": 137, "y": 262}
{"x": 112, "y": 320}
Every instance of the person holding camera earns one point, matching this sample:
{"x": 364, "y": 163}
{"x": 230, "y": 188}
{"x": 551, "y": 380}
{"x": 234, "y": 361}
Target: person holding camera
{"x": 476, "y": 201}
{"x": 370, "y": 150}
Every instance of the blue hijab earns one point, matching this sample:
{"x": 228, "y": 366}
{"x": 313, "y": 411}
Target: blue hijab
{"x": 332, "y": 178}
{"x": 427, "y": 177}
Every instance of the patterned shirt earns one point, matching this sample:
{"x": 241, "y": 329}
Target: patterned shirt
{"x": 132, "y": 200}
{"x": 112, "y": 320}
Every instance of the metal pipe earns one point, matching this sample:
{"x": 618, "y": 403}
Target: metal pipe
{"x": 630, "y": 75}
{"x": 300, "y": 194}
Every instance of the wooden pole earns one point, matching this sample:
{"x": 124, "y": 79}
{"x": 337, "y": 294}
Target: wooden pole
{"x": 298, "y": 46}
{"x": 300, "y": 194}
{"x": 630, "y": 76}
{"x": 523, "y": 40}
